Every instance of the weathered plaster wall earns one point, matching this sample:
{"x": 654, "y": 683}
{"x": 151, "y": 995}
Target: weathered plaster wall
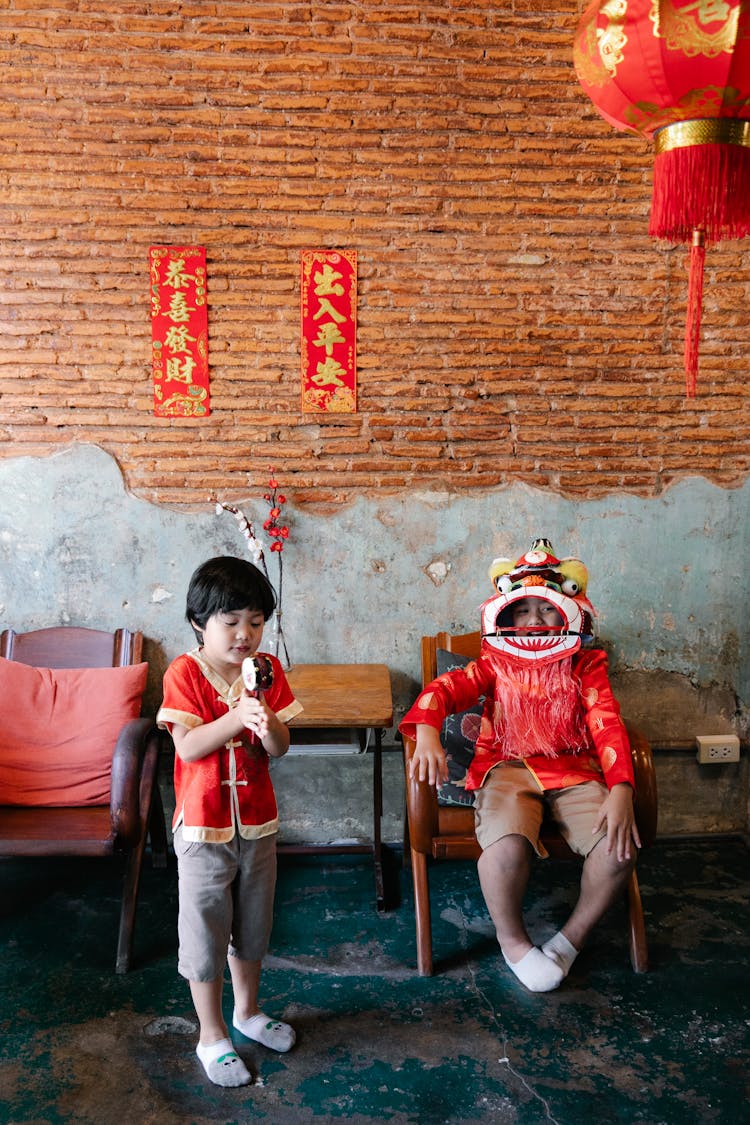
{"x": 364, "y": 583}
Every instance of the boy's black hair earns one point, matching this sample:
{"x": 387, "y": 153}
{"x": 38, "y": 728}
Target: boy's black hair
{"x": 224, "y": 585}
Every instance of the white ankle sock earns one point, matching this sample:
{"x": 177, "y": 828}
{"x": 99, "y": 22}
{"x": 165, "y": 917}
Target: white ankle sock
{"x": 222, "y": 1064}
{"x": 560, "y": 950}
{"x": 271, "y": 1033}
{"x": 537, "y": 972}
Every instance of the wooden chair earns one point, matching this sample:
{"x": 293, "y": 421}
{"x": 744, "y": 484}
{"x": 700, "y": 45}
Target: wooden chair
{"x": 437, "y": 832}
{"x": 135, "y": 808}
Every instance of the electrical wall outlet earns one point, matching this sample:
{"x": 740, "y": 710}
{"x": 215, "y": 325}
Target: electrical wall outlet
{"x": 717, "y": 748}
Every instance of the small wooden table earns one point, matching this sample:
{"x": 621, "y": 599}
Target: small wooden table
{"x": 356, "y": 696}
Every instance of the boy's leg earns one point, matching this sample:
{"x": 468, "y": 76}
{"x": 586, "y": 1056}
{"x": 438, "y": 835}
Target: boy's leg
{"x": 245, "y": 983}
{"x": 504, "y": 868}
{"x": 251, "y": 931}
{"x": 206, "y": 872}
{"x": 508, "y": 817}
{"x": 247, "y": 1016}
{"x": 215, "y": 1050}
{"x": 207, "y": 1003}
{"x": 220, "y": 1061}
{"x": 603, "y": 878}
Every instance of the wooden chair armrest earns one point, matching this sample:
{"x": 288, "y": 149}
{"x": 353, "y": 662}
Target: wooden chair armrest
{"x": 421, "y": 806}
{"x": 646, "y": 800}
{"x": 134, "y": 766}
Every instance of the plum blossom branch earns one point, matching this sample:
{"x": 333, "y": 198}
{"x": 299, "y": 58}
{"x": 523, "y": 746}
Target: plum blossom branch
{"x": 254, "y": 545}
{"x": 277, "y": 533}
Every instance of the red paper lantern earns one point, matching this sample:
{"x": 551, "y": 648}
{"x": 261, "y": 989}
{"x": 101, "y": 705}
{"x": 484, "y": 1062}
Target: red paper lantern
{"x": 678, "y": 71}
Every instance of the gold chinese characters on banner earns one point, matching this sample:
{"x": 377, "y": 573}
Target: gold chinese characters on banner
{"x": 329, "y": 331}
{"x": 179, "y": 331}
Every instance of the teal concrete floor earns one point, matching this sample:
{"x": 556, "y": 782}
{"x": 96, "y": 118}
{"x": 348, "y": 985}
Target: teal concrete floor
{"x": 377, "y": 1043}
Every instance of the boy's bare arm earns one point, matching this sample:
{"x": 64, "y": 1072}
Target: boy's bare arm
{"x": 194, "y": 743}
{"x": 428, "y": 762}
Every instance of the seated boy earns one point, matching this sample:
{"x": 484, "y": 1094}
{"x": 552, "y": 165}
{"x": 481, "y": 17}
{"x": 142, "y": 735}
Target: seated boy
{"x": 551, "y": 736}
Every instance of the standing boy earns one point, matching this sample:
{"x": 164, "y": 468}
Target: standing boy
{"x": 226, "y": 819}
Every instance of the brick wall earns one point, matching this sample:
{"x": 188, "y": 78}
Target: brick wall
{"x": 516, "y": 323}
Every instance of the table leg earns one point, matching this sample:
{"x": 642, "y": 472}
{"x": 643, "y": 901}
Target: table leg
{"x": 377, "y": 812}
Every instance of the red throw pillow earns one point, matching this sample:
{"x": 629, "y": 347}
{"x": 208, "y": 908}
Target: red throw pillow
{"x": 58, "y": 730}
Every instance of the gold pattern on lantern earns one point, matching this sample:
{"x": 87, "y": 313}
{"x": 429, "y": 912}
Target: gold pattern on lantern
{"x": 685, "y": 30}
{"x": 598, "y": 53}
{"x": 702, "y": 103}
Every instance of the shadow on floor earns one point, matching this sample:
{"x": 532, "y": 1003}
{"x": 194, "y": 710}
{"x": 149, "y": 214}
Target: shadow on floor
{"x": 377, "y": 1043}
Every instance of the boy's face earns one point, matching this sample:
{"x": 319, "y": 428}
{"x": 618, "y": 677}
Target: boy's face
{"x": 229, "y": 637}
{"x": 528, "y": 626}
{"x": 536, "y": 616}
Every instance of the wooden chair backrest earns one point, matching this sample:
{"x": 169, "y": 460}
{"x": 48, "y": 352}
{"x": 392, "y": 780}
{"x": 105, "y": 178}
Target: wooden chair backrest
{"x": 464, "y": 644}
{"x": 69, "y": 646}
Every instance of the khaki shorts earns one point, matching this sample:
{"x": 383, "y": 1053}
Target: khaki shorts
{"x": 226, "y": 896}
{"x": 511, "y": 803}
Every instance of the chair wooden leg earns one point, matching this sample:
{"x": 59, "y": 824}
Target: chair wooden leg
{"x": 157, "y": 830}
{"x": 407, "y": 842}
{"x": 638, "y": 943}
{"x": 153, "y": 826}
{"x": 127, "y": 910}
{"x": 422, "y": 913}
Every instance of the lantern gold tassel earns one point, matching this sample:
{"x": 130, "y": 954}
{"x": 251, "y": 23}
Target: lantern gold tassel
{"x": 693, "y": 312}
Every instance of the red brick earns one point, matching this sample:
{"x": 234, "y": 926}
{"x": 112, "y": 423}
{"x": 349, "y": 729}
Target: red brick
{"x": 507, "y": 282}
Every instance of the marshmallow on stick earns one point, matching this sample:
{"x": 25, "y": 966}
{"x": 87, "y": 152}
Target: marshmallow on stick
{"x": 257, "y": 673}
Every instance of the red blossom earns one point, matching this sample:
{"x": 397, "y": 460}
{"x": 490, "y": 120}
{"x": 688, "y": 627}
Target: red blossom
{"x": 271, "y": 526}
{"x": 277, "y": 534}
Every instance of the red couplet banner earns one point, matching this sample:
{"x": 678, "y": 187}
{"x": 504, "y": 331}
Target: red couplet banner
{"x": 329, "y": 331}
{"x": 179, "y": 331}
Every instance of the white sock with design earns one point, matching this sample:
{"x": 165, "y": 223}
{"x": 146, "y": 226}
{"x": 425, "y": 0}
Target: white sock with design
{"x": 262, "y": 1029}
{"x": 222, "y": 1064}
{"x": 537, "y": 972}
{"x": 561, "y": 951}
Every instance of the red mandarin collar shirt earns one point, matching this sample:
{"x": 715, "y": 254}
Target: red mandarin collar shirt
{"x": 607, "y": 755}
{"x": 229, "y": 790}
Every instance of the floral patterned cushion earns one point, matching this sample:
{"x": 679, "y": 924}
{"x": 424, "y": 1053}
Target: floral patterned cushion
{"x": 458, "y": 736}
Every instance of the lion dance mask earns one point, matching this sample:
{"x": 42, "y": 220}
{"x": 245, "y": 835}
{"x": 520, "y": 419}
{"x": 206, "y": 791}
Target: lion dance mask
{"x": 538, "y": 693}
